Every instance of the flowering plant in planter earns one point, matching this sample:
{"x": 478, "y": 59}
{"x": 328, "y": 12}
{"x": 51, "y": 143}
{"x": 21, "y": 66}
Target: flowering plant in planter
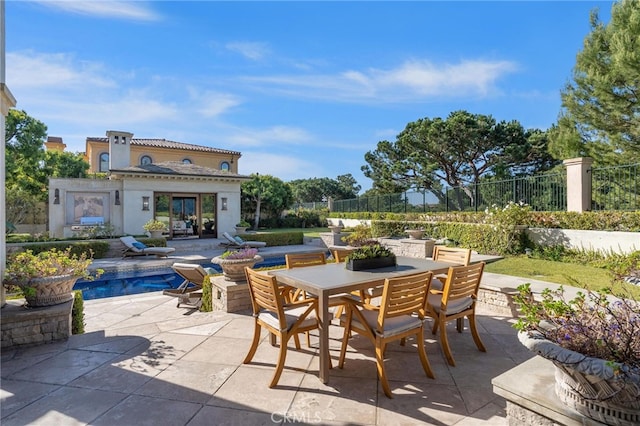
{"x": 590, "y": 324}
{"x": 247, "y": 253}
{"x": 24, "y": 266}
{"x": 47, "y": 278}
{"x": 233, "y": 262}
{"x": 593, "y": 342}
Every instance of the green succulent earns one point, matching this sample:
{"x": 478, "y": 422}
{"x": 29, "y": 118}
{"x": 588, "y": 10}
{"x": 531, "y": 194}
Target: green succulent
{"x": 371, "y": 251}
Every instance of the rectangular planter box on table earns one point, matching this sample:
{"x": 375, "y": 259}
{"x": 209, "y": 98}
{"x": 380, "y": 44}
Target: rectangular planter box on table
{"x": 375, "y": 263}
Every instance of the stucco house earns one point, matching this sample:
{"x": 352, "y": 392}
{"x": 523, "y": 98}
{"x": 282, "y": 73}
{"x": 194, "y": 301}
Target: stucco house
{"x": 194, "y": 189}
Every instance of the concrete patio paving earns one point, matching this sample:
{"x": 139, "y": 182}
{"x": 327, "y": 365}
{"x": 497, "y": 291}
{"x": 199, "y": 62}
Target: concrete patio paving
{"x": 142, "y": 361}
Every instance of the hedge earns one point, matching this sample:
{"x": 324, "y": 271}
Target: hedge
{"x": 277, "y": 239}
{"x": 483, "y": 238}
{"x": 595, "y": 221}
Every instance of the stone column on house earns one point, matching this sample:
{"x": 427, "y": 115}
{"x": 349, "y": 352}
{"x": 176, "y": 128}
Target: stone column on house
{"x": 578, "y": 184}
{"x": 6, "y": 101}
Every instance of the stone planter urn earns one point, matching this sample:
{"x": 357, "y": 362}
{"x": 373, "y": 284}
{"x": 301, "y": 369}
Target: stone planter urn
{"x": 590, "y": 385}
{"x": 47, "y": 291}
{"x": 336, "y": 229}
{"x": 241, "y": 229}
{"x": 233, "y": 269}
{"x": 155, "y": 234}
{"x": 415, "y": 234}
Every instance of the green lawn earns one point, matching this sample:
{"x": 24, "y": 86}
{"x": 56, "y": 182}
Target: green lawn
{"x": 558, "y": 272}
{"x": 308, "y": 232}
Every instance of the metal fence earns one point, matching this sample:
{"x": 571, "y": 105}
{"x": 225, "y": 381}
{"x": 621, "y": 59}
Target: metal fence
{"x": 545, "y": 192}
{"x": 616, "y": 187}
{"x": 316, "y": 205}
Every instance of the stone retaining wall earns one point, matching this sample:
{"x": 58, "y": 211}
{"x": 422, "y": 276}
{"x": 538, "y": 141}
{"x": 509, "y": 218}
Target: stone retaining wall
{"x": 410, "y": 247}
{"x": 497, "y": 300}
{"x": 22, "y": 326}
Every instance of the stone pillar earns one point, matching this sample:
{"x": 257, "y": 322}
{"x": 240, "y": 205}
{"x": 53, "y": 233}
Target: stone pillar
{"x": 6, "y": 101}
{"x": 578, "y": 184}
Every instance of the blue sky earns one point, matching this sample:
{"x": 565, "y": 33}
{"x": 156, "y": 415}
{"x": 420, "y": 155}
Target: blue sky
{"x": 302, "y": 89}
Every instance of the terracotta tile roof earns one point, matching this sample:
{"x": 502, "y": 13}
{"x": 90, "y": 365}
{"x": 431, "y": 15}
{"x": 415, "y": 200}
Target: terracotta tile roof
{"x": 163, "y": 143}
{"x": 176, "y": 168}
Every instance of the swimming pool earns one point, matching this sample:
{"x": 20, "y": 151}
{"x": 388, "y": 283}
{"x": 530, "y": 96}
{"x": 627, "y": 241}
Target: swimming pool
{"x": 112, "y": 284}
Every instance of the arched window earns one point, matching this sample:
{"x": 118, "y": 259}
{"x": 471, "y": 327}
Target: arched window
{"x": 104, "y": 162}
{"x": 186, "y": 161}
{"x": 145, "y": 159}
{"x": 225, "y": 166}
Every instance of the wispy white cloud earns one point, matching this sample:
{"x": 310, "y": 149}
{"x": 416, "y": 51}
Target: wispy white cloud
{"x": 137, "y": 11}
{"x": 411, "y": 81}
{"x": 252, "y": 50}
{"x": 282, "y": 166}
{"x": 29, "y": 69}
{"x": 271, "y": 136}
{"x": 210, "y": 103}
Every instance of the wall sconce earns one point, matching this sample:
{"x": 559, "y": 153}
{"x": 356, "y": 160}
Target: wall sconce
{"x": 56, "y": 196}
{"x": 224, "y": 204}
{"x": 145, "y": 203}
{"x": 117, "y": 202}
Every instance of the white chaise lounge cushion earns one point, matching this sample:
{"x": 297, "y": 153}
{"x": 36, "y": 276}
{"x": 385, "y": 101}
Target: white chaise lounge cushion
{"x": 129, "y": 242}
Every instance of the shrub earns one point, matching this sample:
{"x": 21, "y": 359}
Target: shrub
{"x": 154, "y": 225}
{"x": 77, "y": 313}
{"x": 358, "y": 236}
{"x": 207, "y": 295}
{"x": 278, "y": 238}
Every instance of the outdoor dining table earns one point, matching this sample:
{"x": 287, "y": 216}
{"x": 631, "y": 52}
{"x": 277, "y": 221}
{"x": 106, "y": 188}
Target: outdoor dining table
{"x": 332, "y": 279}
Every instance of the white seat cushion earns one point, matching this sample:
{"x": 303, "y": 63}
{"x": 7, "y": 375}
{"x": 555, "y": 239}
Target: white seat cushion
{"x": 392, "y": 326}
{"x": 435, "y": 300}
{"x": 291, "y": 316}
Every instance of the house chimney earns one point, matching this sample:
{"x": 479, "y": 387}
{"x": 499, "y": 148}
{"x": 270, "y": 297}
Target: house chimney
{"x": 54, "y": 143}
{"x": 119, "y": 149}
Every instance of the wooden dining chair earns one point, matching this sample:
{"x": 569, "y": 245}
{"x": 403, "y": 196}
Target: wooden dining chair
{"x": 456, "y": 255}
{"x": 395, "y": 319}
{"x": 301, "y": 260}
{"x": 340, "y": 256}
{"x": 280, "y": 319}
{"x": 454, "y": 302}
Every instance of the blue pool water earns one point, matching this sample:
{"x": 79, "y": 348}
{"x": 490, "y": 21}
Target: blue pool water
{"x": 112, "y": 284}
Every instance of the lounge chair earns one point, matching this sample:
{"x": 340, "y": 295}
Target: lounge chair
{"x": 136, "y": 248}
{"x": 190, "y": 291}
{"x": 237, "y": 242}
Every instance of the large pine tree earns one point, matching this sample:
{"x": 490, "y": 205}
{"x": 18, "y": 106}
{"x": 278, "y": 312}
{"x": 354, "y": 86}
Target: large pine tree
{"x": 601, "y": 113}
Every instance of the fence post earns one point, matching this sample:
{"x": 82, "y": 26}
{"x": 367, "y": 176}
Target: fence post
{"x": 475, "y": 196}
{"x": 578, "y": 184}
{"x": 446, "y": 199}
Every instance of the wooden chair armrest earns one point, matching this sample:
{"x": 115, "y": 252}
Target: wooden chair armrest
{"x": 302, "y": 302}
